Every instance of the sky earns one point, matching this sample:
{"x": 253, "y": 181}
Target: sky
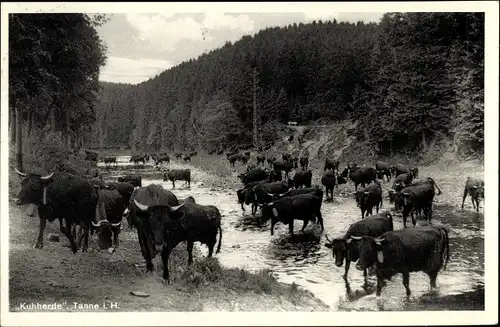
{"x": 142, "y": 45}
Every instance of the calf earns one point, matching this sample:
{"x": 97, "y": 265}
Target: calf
{"x": 368, "y": 198}
{"x": 383, "y": 169}
{"x": 304, "y": 163}
{"x": 179, "y": 175}
{"x": 304, "y": 207}
{"x": 404, "y": 251}
{"x": 232, "y": 159}
{"x": 135, "y": 180}
{"x": 474, "y": 187}
{"x": 331, "y": 164}
{"x": 302, "y": 178}
{"x": 188, "y": 222}
{"x": 347, "y": 247}
{"x": 419, "y": 196}
{"x": 329, "y": 181}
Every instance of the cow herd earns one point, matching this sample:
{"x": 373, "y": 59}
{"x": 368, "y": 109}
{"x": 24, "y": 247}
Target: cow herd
{"x": 162, "y": 220}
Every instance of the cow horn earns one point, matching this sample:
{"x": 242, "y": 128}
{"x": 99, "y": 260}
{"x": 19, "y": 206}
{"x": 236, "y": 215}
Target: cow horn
{"x": 475, "y": 186}
{"x": 270, "y": 194}
{"x": 175, "y": 208}
{"x": 140, "y": 205}
{"x": 47, "y": 177}
{"x": 20, "y": 173}
{"x": 117, "y": 224}
{"x": 391, "y": 191}
{"x": 379, "y": 240}
{"x": 366, "y": 193}
{"x": 356, "y": 237}
{"x": 326, "y": 235}
{"x": 406, "y": 193}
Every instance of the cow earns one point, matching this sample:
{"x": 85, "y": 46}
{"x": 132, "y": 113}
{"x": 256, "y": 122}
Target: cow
{"x": 91, "y": 155}
{"x": 178, "y": 155}
{"x": 260, "y": 193}
{"x": 178, "y": 174}
{"x": 474, "y": 187}
{"x": 93, "y": 173}
{"x": 329, "y": 181}
{"x": 383, "y": 169}
{"x": 241, "y": 193}
{"x": 347, "y": 247}
{"x": 284, "y": 166}
{"x": 405, "y": 251}
{"x": 244, "y": 158}
{"x": 72, "y": 199}
{"x": 232, "y": 159}
{"x": 108, "y": 160}
{"x": 134, "y": 179}
{"x": 275, "y": 176}
{"x": 220, "y": 152}
{"x": 419, "y": 196}
{"x": 302, "y": 178}
{"x": 187, "y": 199}
{"x": 304, "y": 163}
{"x": 188, "y": 222}
{"x": 287, "y": 157}
{"x": 261, "y": 159}
{"x": 402, "y": 180}
{"x": 108, "y": 229}
{"x": 125, "y": 189}
{"x": 138, "y": 158}
{"x": 399, "y": 169}
{"x": 316, "y": 190}
{"x": 150, "y": 195}
{"x": 369, "y": 197}
{"x": 306, "y": 207}
{"x": 193, "y": 153}
{"x": 331, "y": 164}
{"x": 159, "y": 159}
{"x": 396, "y": 198}
{"x": 186, "y": 157}
{"x": 250, "y": 167}
{"x": 254, "y": 175}
{"x": 414, "y": 171}
{"x": 360, "y": 175}
{"x": 295, "y": 162}
{"x": 271, "y": 160}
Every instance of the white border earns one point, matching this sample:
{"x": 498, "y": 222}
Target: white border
{"x": 489, "y": 316}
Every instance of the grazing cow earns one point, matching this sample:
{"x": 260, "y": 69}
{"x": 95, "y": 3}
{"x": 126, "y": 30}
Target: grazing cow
{"x": 135, "y": 180}
{"x": 271, "y": 161}
{"x": 261, "y": 193}
{"x": 261, "y": 159}
{"x": 275, "y": 176}
{"x": 186, "y": 157}
{"x": 125, "y": 189}
{"x": 304, "y": 163}
{"x": 91, "y": 155}
{"x": 399, "y": 169}
{"x": 138, "y": 158}
{"x": 302, "y": 178}
{"x": 383, "y": 169}
{"x": 179, "y": 175}
{"x": 108, "y": 160}
{"x": 474, "y": 187}
{"x": 108, "y": 229}
{"x": 360, "y": 175}
{"x": 331, "y": 164}
{"x": 419, "y": 196}
{"x": 284, "y": 166}
{"x": 402, "y": 180}
{"x": 347, "y": 247}
{"x": 72, "y": 199}
{"x": 254, "y": 175}
{"x": 150, "y": 195}
{"x": 368, "y": 198}
{"x": 305, "y": 207}
{"x": 178, "y": 155}
{"x": 189, "y": 222}
{"x": 161, "y": 158}
{"x": 405, "y": 251}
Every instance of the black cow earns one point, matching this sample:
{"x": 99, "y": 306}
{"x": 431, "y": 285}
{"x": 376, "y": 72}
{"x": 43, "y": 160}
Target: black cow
{"x": 254, "y": 175}
{"x": 250, "y": 167}
{"x": 402, "y": 180}
{"x": 271, "y": 161}
{"x": 331, "y": 164}
{"x": 396, "y": 198}
{"x": 232, "y": 159}
{"x": 135, "y": 180}
{"x": 179, "y": 175}
{"x": 138, "y": 158}
{"x": 241, "y": 193}
{"x": 108, "y": 229}
{"x": 306, "y": 207}
{"x": 474, "y": 187}
{"x": 399, "y": 169}
{"x": 361, "y": 175}
{"x": 369, "y": 197}
{"x": 304, "y": 163}
{"x": 295, "y": 162}
{"x": 150, "y": 195}
{"x": 244, "y": 158}
{"x": 414, "y": 171}
{"x": 189, "y": 222}
{"x": 286, "y": 157}
{"x": 193, "y": 153}
{"x": 302, "y": 178}
{"x": 347, "y": 247}
{"x": 187, "y": 157}
{"x": 91, "y": 155}
{"x": 261, "y": 193}
{"x": 108, "y": 160}
{"x": 275, "y": 176}
{"x": 383, "y": 169}
{"x": 125, "y": 189}
{"x": 261, "y": 159}
{"x": 315, "y": 189}
{"x": 159, "y": 159}
{"x": 220, "y": 152}
{"x": 329, "y": 180}
{"x": 284, "y": 166}
{"x": 178, "y": 155}
{"x": 72, "y": 199}
{"x": 96, "y": 181}
{"x": 419, "y": 196}
{"x": 405, "y": 251}
{"x": 93, "y": 173}
{"x": 187, "y": 199}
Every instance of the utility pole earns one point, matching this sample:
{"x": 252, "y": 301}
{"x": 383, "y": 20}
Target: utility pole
{"x": 255, "y": 130}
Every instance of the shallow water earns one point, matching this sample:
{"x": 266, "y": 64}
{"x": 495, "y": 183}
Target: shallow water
{"x": 305, "y": 260}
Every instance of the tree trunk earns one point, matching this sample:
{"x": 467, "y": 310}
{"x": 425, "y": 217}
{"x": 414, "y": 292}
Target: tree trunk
{"x": 19, "y": 139}
{"x": 424, "y": 141}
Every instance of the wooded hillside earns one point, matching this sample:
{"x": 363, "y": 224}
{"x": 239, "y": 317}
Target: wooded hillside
{"x": 409, "y": 81}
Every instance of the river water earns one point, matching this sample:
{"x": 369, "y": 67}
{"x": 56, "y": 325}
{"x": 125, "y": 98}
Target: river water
{"x": 305, "y": 260}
